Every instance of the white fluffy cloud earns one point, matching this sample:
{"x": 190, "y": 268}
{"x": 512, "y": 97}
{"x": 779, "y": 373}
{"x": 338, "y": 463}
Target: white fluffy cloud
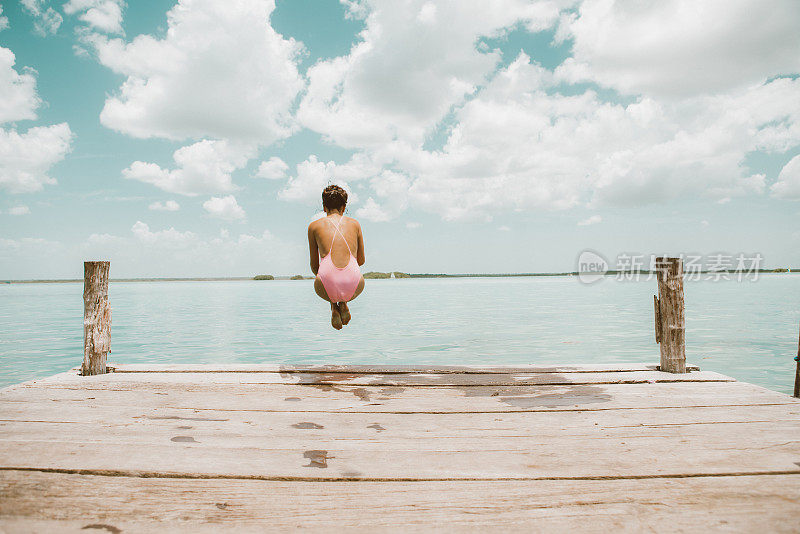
{"x": 3, "y": 20}
{"x": 788, "y": 184}
{"x": 594, "y": 219}
{"x": 518, "y": 146}
{"x": 372, "y": 211}
{"x": 220, "y": 72}
{"x": 225, "y": 208}
{"x": 19, "y": 210}
{"x": 682, "y": 47}
{"x": 26, "y": 158}
{"x": 202, "y": 168}
{"x": 18, "y": 98}
{"x": 313, "y": 176}
{"x": 46, "y": 20}
{"x": 272, "y": 169}
{"x": 169, "y": 239}
{"x": 414, "y": 62}
{"x": 169, "y": 205}
{"x": 103, "y": 15}
{"x": 172, "y": 252}
{"x": 705, "y": 85}
{"x": 391, "y": 190}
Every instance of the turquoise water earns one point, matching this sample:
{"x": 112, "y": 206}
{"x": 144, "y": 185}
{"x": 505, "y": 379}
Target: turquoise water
{"x": 747, "y": 330}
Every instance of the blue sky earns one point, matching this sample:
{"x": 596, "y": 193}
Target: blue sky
{"x": 194, "y": 138}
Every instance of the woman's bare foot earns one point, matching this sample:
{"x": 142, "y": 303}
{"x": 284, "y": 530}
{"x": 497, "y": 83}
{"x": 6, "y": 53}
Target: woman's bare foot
{"x": 336, "y": 319}
{"x": 344, "y": 312}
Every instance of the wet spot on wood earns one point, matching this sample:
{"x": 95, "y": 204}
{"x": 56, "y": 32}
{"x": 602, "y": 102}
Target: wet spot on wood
{"x": 317, "y": 459}
{"x": 351, "y": 474}
{"x": 551, "y": 400}
{"x": 523, "y": 396}
{"x": 320, "y": 378}
{"x": 361, "y": 393}
{"x": 222, "y": 505}
{"x": 292, "y": 399}
{"x": 102, "y": 526}
{"x": 184, "y": 427}
{"x": 307, "y": 425}
{"x": 179, "y": 418}
{"x": 183, "y": 439}
{"x": 376, "y": 426}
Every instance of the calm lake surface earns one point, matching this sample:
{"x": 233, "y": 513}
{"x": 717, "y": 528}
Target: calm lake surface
{"x": 746, "y": 329}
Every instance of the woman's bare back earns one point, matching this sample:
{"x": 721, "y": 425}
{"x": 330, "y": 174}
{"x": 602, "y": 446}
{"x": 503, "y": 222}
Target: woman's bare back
{"x": 324, "y": 231}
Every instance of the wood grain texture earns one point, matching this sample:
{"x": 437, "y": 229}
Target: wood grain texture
{"x": 382, "y": 369}
{"x": 543, "y": 448}
{"x": 672, "y": 327}
{"x": 52, "y": 502}
{"x": 380, "y": 379}
{"x": 254, "y": 398}
{"x": 96, "y": 317}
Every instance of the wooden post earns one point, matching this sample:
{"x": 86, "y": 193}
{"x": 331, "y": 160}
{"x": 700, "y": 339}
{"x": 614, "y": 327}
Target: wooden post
{"x": 797, "y": 371}
{"x": 96, "y": 317}
{"x": 669, "y": 307}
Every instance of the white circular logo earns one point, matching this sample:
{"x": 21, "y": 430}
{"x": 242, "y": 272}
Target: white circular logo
{"x": 591, "y": 267}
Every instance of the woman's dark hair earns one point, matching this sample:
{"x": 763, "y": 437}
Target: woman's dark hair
{"x": 334, "y": 198}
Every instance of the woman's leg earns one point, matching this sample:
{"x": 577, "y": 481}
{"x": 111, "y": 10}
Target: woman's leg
{"x": 336, "y": 318}
{"x": 344, "y": 311}
{"x": 359, "y": 288}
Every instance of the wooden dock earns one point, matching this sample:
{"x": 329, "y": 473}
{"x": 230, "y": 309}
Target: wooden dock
{"x": 271, "y": 447}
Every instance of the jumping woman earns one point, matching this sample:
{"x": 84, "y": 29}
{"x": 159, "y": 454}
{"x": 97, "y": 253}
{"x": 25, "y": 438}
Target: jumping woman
{"x": 336, "y": 246}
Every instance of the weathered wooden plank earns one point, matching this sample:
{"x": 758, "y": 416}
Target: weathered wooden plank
{"x": 380, "y": 369}
{"x": 52, "y": 502}
{"x": 283, "y": 429}
{"x": 412, "y": 435}
{"x": 516, "y": 433}
{"x": 398, "y": 379}
{"x": 40, "y": 419}
{"x": 333, "y": 398}
{"x": 642, "y": 451}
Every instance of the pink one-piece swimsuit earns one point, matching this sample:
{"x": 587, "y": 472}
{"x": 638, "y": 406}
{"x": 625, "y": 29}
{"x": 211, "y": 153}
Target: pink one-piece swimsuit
{"x": 339, "y": 283}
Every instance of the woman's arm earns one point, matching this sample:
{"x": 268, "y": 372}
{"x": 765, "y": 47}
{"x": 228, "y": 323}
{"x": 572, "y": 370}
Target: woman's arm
{"x": 312, "y": 250}
{"x": 360, "y": 258}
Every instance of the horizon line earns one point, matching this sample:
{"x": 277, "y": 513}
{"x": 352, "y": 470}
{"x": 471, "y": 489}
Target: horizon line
{"x": 779, "y": 270}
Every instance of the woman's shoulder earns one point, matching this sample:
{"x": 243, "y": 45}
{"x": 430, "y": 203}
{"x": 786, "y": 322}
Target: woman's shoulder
{"x": 354, "y": 222}
{"x": 314, "y": 225}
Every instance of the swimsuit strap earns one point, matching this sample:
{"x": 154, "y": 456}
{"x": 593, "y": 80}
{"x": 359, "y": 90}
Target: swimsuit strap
{"x": 336, "y": 230}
